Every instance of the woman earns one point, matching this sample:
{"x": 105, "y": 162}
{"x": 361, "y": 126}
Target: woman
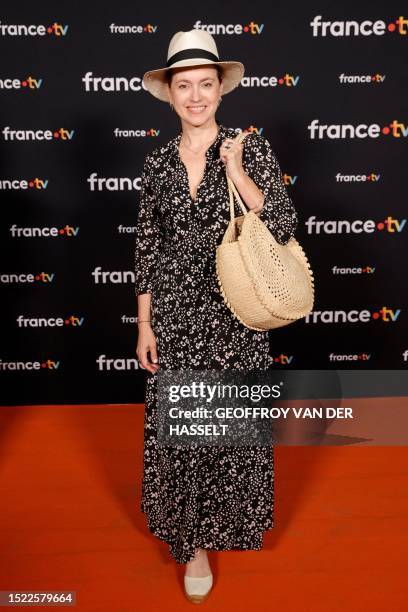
{"x": 218, "y": 498}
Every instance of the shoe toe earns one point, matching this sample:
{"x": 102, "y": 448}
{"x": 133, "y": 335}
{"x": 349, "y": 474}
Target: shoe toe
{"x": 197, "y": 588}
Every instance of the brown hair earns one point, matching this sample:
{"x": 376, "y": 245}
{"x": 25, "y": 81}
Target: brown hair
{"x": 169, "y": 73}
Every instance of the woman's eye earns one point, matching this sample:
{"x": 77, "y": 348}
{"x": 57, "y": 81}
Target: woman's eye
{"x": 181, "y": 86}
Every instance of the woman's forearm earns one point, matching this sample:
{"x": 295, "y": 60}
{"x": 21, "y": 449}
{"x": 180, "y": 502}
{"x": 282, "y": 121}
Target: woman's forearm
{"x": 249, "y": 192}
{"x": 143, "y": 308}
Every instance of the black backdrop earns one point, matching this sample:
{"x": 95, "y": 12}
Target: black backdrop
{"x": 69, "y": 310}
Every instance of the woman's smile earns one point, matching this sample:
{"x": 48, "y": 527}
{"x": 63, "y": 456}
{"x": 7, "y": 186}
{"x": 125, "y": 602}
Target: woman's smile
{"x": 196, "y": 109}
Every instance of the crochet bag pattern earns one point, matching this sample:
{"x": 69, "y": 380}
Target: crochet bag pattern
{"x": 265, "y": 284}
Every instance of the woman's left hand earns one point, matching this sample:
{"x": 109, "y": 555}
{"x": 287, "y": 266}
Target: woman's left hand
{"x": 231, "y": 155}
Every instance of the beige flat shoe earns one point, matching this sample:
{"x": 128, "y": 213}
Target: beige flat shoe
{"x": 197, "y": 589}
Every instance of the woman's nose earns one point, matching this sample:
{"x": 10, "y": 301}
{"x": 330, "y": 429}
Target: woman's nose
{"x": 196, "y": 96}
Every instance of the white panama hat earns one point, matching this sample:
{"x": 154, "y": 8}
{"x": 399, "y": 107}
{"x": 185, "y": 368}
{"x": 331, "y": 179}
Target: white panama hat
{"x": 192, "y": 48}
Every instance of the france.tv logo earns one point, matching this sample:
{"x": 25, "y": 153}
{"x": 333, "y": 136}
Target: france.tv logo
{"x": 58, "y": 321}
{"x": 337, "y": 131}
{"x": 364, "y": 28}
{"x": 25, "y": 84}
{"x": 36, "y": 134}
{"x": 358, "y": 226}
{"x": 383, "y": 314}
{"x": 55, "y": 29}
{"x": 230, "y": 28}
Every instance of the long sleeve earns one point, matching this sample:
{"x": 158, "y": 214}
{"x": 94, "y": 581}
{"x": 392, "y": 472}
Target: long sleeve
{"x": 148, "y": 234}
{"x": 261, "y": 164}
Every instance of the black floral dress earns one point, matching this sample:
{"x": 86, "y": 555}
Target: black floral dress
{"x": 219, "y": 498}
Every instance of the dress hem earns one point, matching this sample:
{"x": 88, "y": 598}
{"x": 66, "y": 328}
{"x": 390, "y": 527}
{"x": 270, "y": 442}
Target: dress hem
{"x": 185, "y": 559}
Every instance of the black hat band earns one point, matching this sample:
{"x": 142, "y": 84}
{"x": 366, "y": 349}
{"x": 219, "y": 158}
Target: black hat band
{"x": 191, "y": 54}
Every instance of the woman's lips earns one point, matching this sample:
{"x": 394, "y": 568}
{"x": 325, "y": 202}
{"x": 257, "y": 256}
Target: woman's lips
{"x": 196, "y": 110}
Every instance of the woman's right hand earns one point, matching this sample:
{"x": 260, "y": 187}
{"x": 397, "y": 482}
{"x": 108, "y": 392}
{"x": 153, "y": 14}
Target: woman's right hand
{"x": 147, "y": 342}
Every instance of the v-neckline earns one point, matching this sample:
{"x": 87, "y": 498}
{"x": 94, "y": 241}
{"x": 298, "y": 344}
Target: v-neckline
{"x": 194, "y": 200}
{"x": 207, "y": 154}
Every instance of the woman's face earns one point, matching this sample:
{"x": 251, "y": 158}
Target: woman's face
{"x": 195, "y": 93}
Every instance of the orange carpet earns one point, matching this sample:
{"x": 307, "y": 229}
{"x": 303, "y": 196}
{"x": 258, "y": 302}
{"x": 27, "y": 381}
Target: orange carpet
{"x": 70, "y": 481}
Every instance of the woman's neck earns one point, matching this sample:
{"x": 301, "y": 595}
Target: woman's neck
{"x": 194, "y": 138}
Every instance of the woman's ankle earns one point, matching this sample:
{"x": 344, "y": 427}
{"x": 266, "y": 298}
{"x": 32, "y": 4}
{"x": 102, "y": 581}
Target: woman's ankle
{"x": 199, "y": 558}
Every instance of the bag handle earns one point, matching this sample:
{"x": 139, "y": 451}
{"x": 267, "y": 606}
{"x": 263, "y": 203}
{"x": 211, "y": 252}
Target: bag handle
{"x": 231, "y": 187}
{"x": 233, "y": 191}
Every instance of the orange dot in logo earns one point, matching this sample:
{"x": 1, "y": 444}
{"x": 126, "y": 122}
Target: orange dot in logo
{"x": 391, "y": 27}
{"x": 37, "y": 277}
{"x": 280, "y": 81}
{"x": 380, "y": 225}
{"x": 24, "y": 83}
{"x": 66, "y": 322}
{"x": 246, "y": 29}
{"x": 368, "y": 177}
{"x": 373, "y": 78}
{"x": 31, "y": 184}
{"x": 386, "y": 130}
{"x": 56, "y": 135}
{"x": 62, "y": 231}
{"x": 49, "y": 30}
{"x": 376, "y": 315}
{"x": 43, "y": 365}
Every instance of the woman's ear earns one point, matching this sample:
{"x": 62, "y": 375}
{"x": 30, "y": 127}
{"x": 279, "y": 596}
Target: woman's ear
{"x": 221, "y": 88}
{"x": 169, "y": 94}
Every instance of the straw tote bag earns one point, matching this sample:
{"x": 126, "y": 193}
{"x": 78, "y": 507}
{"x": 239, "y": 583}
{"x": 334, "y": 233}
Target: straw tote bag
{"x": 265, "y": 284}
